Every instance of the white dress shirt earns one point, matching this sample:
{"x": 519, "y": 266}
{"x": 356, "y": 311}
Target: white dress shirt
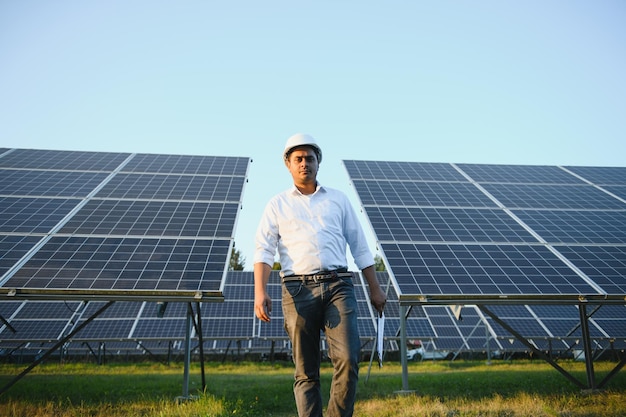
{"x": 311, "y": 232}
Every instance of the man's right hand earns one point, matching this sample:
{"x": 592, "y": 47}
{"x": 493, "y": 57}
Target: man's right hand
{"x": 263, "y": 307}
{"x": 262, "y": 301}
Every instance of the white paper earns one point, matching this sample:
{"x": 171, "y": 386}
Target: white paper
{"x": 380, "y": 338}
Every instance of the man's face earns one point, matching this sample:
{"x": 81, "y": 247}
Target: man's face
{"x": 303, "y": 165}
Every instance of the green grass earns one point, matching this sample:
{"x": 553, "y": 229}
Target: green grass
{"x": 460, "y": 388}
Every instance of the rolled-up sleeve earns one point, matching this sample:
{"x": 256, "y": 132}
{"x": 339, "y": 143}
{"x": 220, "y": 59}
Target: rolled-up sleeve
{"x": 266, "y": 238}
{"x": 356, "y": 238}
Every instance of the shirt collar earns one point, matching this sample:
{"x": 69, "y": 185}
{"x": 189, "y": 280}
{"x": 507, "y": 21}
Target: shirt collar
{"x": 320, "y": 188}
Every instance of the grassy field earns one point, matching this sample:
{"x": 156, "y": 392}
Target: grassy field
{"x": 460, "y": 388}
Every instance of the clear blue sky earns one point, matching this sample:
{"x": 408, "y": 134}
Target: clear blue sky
{"x": 515, "y": 82}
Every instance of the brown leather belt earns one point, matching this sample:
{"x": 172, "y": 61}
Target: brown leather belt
{"x": 322, "y": 276}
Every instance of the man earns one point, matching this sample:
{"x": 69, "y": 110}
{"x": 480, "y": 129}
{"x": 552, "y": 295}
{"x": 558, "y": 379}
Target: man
{"x": 310, "y": 226}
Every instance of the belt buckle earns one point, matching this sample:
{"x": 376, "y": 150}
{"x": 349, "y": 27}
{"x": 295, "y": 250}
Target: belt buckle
{"x": 317, "y": 278}
{"x": 330, "y": 275}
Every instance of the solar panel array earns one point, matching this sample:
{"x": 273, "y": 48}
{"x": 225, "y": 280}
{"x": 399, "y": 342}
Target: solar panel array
{"x": 457, "y": 231}
{"x": 143, "y": 228}
{"x": 116, "y": 225}
{"x": 135, "y": 326}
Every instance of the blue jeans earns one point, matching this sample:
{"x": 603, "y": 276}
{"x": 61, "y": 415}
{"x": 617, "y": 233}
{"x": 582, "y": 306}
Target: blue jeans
{"x": 329, "y": 306}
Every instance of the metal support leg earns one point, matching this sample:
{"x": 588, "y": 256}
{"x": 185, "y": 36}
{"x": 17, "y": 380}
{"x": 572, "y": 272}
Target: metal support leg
{"x": 189, "y": 325}
{"x": 201, "y": 343}
{"x": 487, "y": 338}
{"x": 584, "y": 327}
{"x": 403, "y": 359}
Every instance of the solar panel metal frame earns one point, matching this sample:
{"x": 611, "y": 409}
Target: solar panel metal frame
{"x": 225, "y": 176}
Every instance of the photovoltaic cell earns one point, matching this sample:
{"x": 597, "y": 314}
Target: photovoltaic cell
{"x": 21, "y": 183}
{"x": 518, "y": 174}
{"x": 605, "y": 265}
{"x": 13, "y": 248}
{"x": 40, "y": 321}
{"x": 410, "y": 171}
{"x": 49, "y": 309}
{"x": 106, "y": 329}
{"x": 8, "y": 308}
{"x": 619, "y": 191}
{"x": 124, "y": 264}
{"x": 425, "y": 269}
{"x": 414, "y": 224}
{"x": 239, "y": 291}
{"x": 160, "y": 328}
{"x": 583, "y": 227}
{"x": 560, "y": 320}
{"x": 173, "y": 310}
{"x": 447, "y": 334}
{"x": 423, "y": 194}
{"x": 41, "y": 329}
{"x": 467, "y": 328}
{"x": 579, "y": 197}
{"x": 601, "y": 175}
{"x": 418, "y": 325}
{"x": 32, "y": 215}
{"x": 188, "y": 164}
{"x": 173, "y": 187}
{"x": 610, "y": 319}
{"x": 62, "y": 160}
{"x": 133, "y": 320}
{"x": 154, "y": 218}
{"x": 520, "y": 318}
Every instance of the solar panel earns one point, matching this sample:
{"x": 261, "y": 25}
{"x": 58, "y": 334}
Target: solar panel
{"x": 117, "y": 226}
{"x": 495, "y": 231}
{"x": 580, "y": 226}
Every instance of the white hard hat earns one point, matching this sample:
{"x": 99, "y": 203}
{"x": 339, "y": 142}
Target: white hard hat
{"x": 302, "y": 139}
